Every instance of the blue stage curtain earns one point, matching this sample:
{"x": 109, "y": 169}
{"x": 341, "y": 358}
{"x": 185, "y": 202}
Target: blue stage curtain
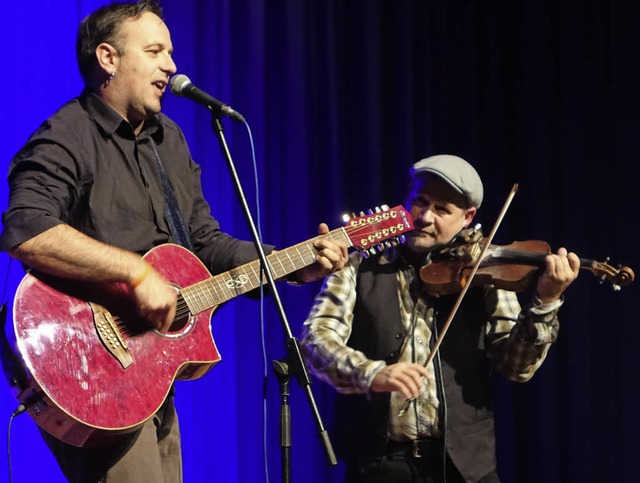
{"x": 342, "y": 97}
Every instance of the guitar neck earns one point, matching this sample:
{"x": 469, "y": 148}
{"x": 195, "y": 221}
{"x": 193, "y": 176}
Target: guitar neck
{"x": 365, "y": 232}
{"x": 220, "y": 288}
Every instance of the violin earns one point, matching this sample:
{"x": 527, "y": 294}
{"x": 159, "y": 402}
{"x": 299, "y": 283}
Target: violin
{"x": 513, "y": 267}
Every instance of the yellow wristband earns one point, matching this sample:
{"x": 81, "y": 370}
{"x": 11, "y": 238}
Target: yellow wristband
{"x": 137, "y": 281}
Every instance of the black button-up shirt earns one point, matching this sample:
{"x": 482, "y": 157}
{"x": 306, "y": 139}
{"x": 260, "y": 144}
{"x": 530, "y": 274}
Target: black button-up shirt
{"x": 85, "y": 167}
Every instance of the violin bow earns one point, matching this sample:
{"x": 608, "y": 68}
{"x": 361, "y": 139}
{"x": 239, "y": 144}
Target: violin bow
{"x": 467, "y": 284}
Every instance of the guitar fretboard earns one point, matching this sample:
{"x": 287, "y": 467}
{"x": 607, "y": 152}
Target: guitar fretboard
{"x": 220, "y": 288}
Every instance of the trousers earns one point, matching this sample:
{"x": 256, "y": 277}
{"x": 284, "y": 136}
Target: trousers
{"x": 425, "y": 462}
{"x": 152, "y": 453}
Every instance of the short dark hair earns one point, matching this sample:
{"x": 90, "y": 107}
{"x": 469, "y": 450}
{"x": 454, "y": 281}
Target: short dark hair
{"x": 103, "y": 25}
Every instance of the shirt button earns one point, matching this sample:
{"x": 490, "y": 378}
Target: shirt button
{"x": 399, "y": 335}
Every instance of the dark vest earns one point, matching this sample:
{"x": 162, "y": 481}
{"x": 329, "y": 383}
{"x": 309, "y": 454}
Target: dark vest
{"x": 361, "y": 422}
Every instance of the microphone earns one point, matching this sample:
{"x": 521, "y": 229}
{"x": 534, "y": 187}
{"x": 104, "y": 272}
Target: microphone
{"x": 181, "y": 85}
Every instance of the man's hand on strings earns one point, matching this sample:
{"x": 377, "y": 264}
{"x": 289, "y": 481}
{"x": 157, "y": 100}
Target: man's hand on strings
{"x": 560, "y": 271}
{"x": 155, "y": 300}
{"x": 332, "y": 256}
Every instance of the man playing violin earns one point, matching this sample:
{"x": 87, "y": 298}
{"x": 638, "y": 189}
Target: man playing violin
{"x": 372, "y": 327}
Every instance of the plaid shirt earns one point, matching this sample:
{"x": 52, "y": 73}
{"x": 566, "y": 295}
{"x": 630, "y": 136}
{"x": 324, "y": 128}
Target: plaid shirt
{"x": 515, "y": 340}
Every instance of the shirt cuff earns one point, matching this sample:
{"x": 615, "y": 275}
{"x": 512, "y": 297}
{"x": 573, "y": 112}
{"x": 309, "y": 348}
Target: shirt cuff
{"x": 367, "y": 373}
{"x": 542, "y": 312}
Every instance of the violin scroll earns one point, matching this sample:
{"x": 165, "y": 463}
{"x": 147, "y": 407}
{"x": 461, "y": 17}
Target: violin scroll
{"x": 619, "y": 277}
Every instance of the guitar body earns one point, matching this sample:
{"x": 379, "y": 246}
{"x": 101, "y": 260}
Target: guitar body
{"x": 79, "y": 391}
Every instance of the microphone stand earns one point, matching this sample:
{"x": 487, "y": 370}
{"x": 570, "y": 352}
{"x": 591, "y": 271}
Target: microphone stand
{"x": 293, "y": 364}
{"x": 281, "y": 368}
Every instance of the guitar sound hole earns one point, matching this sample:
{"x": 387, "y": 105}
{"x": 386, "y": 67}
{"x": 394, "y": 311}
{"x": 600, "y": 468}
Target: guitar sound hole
{"x": 179, "y": 323}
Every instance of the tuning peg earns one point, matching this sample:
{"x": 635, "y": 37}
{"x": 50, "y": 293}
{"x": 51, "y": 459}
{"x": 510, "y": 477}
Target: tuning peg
{"x": 603, "y": 277}
{"x": 385, "y": 207}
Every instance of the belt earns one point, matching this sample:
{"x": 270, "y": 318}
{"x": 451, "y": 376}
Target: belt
{"x": 416, "y": 448}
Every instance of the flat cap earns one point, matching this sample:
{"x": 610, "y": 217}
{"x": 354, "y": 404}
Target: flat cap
{"x": 456, "y": 172}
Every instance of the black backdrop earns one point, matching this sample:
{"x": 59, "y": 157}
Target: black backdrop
{"x": 542, "y": 93}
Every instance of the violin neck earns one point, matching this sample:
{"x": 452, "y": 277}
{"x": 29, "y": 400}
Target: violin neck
{"x": 505, "y": 255}
{"x": 497, "y": 255}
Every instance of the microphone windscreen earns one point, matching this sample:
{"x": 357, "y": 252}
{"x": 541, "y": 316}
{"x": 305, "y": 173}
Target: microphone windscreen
{"x": 178, "y": 83}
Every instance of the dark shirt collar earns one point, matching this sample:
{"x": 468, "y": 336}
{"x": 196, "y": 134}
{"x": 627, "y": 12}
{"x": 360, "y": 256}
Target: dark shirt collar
{"x": 111, "y": 122}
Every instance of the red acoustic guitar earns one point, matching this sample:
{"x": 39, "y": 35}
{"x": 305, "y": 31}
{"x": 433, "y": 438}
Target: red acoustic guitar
{"x": 94, "y": 370}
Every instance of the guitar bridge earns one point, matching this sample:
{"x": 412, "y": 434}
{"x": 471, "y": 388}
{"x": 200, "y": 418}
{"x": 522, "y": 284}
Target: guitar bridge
{"x": 110, "y": 335}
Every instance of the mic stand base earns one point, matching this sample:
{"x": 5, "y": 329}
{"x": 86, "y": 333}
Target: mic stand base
{"x": 281, "y": 368}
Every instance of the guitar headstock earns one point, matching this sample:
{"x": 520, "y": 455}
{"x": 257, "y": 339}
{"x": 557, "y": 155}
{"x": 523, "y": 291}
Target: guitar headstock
{"x": 378, "y": 229}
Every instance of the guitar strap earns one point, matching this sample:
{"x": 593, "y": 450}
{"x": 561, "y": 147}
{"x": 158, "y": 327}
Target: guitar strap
{"x": 173, "y": 216}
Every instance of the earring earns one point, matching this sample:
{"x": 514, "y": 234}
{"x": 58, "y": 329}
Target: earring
{"x": 109, "y": 79}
